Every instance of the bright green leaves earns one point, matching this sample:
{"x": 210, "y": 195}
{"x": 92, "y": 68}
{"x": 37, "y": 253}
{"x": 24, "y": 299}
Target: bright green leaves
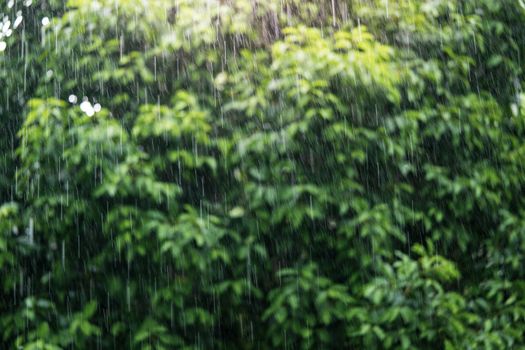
{"x": 192, "y": 232}
{"x": 8, "y": 229}
{"x": 250, "y": 186}
{"x": 153, "y": 335}
{"x": 374, "y": 223}
{"x": 134, "y": 176}
{"x": 44, "y": 331}
{"x": 409, "y": 298}
{"x": 80, "y": 326}
{"x": 305, "y": 64}
{"x": 184, "y": 117}
{"x": 109, "y": 180}
{"x": 307, "y": 310}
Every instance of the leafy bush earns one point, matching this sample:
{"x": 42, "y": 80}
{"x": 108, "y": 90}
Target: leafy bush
{"x": 262, "y": 174}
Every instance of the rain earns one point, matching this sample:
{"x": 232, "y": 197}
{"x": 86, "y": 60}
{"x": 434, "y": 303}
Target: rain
{"x": 262, "y": 174}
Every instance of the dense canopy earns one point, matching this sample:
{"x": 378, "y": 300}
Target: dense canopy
{"x": 258, "y": 174}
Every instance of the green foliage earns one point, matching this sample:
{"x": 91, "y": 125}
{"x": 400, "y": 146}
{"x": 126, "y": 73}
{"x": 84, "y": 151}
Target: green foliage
{"x": 272, "y": 174}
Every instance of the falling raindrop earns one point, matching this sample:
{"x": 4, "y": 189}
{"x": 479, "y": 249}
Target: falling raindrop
{"x": 72, "y": 99}
{"x": 45, "y": 21}
{"x": 17, "y": 22}
{"x": 31, "y": 231}
{"x": 3, "y": 46}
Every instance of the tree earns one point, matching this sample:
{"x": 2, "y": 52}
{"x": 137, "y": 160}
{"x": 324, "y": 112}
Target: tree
{"x": 273, "y": 174}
